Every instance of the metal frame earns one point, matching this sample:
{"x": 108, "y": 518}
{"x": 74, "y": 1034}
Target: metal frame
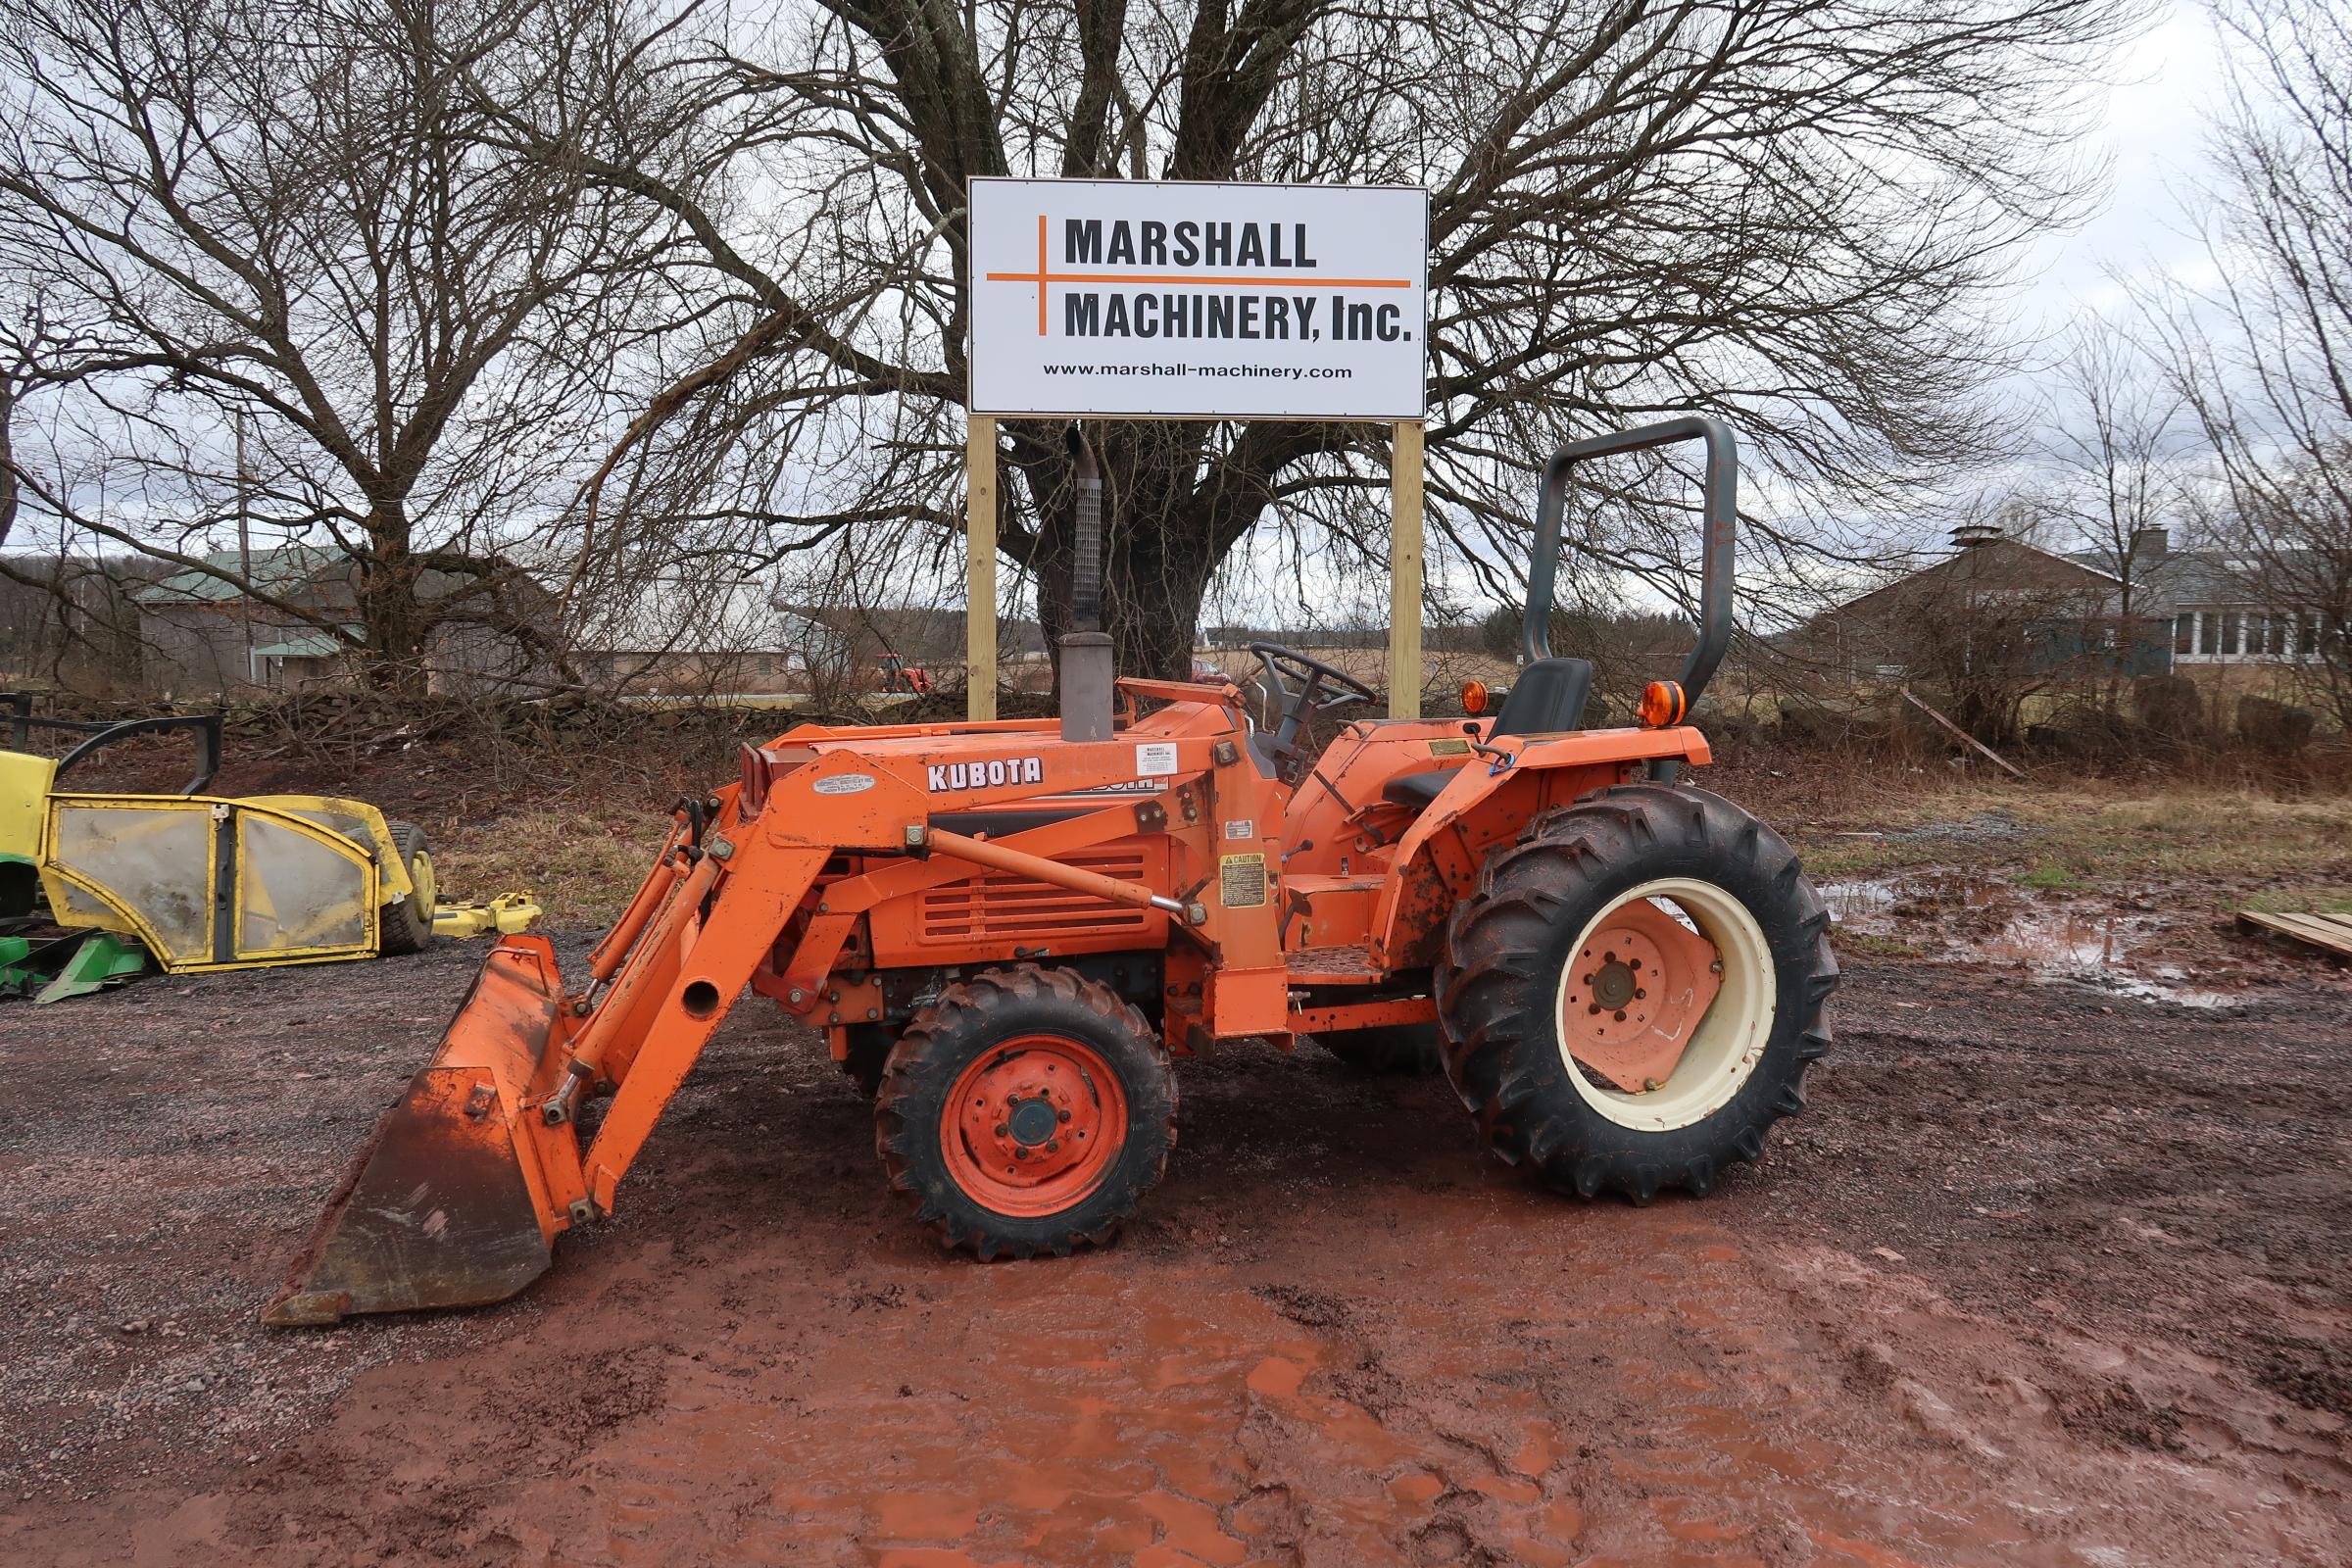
{"x": 23, "y": 721}
{"x": 1720, "y": 508}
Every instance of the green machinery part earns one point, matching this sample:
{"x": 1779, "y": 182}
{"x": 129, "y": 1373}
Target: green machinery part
{"x": 90, "y": 963}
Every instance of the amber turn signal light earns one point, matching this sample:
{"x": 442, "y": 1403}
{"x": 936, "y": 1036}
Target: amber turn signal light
{"x": 1474, "y": 697}
{"x": 1662, "y": 704}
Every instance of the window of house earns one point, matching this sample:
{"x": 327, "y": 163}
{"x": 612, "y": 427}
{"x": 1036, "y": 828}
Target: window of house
{"x": 2223, "y": 632}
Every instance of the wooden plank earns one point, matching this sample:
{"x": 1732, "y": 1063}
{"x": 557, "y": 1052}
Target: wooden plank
{"x": 980, "y": 568}
{"x": 1405, "y": 572}
{"x": 1963, "y": 735}
{"x": 2332, "y": 933}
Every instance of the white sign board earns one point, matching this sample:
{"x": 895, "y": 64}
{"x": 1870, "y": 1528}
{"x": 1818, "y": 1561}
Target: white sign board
{"x": 1110, "y": 297}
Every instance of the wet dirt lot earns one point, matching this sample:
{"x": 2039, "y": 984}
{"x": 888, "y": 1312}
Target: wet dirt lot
{"x": 2048, "y": 1274}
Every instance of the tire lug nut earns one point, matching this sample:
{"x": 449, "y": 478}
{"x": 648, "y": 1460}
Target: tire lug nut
{"x": 1052, "y": 1146}
{"x": 1621, "y": 1016}
{"x": 1000, "y": 1129}
{"x": 1062, "y": 1115}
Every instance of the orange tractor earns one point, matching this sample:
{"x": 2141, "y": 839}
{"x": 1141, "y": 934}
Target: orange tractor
{"x": 1009, "y": 930}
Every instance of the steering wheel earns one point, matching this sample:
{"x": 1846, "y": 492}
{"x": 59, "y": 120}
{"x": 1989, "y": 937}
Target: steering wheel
{"x": 1299, "y": 702}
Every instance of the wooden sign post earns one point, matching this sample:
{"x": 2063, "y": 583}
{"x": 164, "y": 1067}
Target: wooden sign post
{"x": 980, "y": 563}
{"x": 1405, "y": 572}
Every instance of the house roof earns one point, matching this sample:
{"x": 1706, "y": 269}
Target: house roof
{"x": 2183, "y": 579}
{"x": 271, "y": 571}
{"x": 2072, "y": 563}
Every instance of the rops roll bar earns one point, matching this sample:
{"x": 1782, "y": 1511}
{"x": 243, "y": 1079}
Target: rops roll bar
{"x": 1721, "y": 511}
{"x": 23, "y": 721}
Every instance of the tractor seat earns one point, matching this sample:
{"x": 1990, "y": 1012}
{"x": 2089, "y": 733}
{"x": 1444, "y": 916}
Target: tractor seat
{"x": 1547, "y": 699}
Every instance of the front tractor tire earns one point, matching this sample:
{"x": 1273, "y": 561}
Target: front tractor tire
{"x": 1631, "y": 997}
{"x": 1025, "y": 1111}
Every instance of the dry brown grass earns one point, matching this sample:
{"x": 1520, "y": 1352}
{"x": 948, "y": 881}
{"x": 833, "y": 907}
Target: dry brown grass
{"x": 2234, "y": 846}
{"x": 582, "y": 865}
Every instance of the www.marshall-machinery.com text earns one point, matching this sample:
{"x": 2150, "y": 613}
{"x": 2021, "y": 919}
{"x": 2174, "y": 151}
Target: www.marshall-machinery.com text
{"x": 1267, "y": 373}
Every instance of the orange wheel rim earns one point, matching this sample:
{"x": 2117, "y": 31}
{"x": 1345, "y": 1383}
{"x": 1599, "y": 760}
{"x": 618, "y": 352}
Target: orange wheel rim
{"x": 1634, "y": 992}
{"x": 1034, "y": 1125}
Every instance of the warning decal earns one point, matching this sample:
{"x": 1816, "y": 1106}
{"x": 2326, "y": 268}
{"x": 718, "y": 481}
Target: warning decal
{"x": 1242, "y": 881}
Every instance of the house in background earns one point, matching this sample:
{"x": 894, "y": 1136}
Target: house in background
{"x": 208, "y": 636}
{"x": 2198, "y": 613}
{"x": 677, "y": 636}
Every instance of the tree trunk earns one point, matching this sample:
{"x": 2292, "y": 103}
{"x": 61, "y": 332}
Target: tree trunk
{"x": 1163, "y": 538}
{"x": 394, "y": 626}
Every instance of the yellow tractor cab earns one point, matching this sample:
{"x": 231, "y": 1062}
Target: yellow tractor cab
{"x": 97, "y": 884}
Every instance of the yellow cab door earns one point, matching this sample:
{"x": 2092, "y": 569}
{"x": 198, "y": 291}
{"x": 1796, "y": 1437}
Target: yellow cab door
{"x": 210, "y": 883}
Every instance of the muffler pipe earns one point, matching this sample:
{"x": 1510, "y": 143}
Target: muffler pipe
{"x": 1087, "y": 672}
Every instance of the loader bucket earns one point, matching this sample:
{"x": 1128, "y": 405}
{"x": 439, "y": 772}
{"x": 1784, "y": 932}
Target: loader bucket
{"x": 445, "y": 1204}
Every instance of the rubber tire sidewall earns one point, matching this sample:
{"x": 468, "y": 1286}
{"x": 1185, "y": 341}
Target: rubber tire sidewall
{"x": 1502, "y": 1054}
{"x": 407, "y": 926}
{"x": 975, "y": 1017}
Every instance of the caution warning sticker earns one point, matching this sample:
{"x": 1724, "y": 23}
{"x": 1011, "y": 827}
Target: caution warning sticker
{"x": 1242, "y": 881}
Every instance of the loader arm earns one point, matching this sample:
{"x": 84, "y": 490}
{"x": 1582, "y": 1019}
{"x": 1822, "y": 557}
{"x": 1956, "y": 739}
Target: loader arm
{"x": 456, "y": 1197}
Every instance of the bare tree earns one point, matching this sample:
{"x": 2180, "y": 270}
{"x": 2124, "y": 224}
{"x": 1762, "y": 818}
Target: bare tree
{"x": 2264, "y": 357}
{"x": 2115, "y": 430}
{"x": 281, "y": 211}
{"x": 1781, "y": 211}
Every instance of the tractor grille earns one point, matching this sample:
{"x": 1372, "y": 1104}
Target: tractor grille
{"x": 1010, "y": 906}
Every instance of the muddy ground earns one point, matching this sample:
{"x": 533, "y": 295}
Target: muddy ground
{"x": 2047, "y": 1274}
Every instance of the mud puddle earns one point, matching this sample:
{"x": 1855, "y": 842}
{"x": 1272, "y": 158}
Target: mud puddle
{"x": 1972, "y": 917}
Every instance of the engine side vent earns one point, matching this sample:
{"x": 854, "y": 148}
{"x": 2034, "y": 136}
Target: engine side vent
{"x": 1011, "y": 907}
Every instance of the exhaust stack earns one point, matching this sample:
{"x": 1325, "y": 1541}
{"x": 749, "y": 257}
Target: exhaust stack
{"x": 1087, "y": 672}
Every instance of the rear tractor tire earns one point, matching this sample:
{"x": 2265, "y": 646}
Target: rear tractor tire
{"x": 1414, "y": 1049}
{"x": 1025, "y": 1111}
{"x": 407, "y": 926}
{"x": 1632, "y": 995}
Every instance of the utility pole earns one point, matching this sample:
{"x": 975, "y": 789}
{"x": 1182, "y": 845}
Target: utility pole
{"x": 245, "y": 553}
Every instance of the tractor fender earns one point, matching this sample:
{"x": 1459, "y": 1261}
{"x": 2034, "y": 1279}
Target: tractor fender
{"x": 1491, "y": 800}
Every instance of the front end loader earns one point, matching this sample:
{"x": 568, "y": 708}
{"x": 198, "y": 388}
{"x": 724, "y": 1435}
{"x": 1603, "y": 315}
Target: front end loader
{"x": 1009, "y": 931}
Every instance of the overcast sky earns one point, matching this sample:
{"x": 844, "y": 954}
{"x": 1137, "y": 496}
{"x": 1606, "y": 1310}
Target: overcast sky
{"x": 2169, "y": 87}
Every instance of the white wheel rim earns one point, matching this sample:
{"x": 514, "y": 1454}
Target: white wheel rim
{"x": 1728, "y": 1041}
